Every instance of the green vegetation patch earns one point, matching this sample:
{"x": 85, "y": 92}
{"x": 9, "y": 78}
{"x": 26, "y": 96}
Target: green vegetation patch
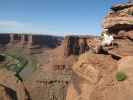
{"x": 15, "y": 63}
{"x": 120, "y": 76}
{"x": 17, "y": 59}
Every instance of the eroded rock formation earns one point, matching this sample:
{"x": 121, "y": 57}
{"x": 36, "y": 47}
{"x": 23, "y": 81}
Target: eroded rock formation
{"x": 91, "y": 71}
{"x": 119, "y": 23}
{"x": 71, "y": 45}
{"x": 76, "y": 45}
{"x": 119, "y": 19}
{"x": 7, "y": 93}
{"x": 95, "y": 74}
{"x": 11, "y": 88}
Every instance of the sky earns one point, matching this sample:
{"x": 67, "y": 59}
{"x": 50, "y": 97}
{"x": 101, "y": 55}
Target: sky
{"x": 54, "y": 17}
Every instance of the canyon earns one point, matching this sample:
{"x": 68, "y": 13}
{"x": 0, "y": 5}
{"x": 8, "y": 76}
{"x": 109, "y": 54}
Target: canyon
{"x": 68, "y": 68}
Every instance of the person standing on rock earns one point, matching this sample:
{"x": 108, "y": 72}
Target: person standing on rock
{"x": 107, "y": 40}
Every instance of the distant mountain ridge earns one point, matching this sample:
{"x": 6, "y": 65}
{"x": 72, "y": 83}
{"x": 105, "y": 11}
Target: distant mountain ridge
{"x": 41, "y": 40}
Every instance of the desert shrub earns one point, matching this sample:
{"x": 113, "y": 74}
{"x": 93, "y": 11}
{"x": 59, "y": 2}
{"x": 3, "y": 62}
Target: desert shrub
{"x": 120, "y": 76}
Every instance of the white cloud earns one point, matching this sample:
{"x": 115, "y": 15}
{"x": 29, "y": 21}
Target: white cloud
{"x": 15, "y": 26}
{"x": 9, "y": 26}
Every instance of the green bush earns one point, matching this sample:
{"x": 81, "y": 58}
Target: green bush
{"x": 120, "y": 76}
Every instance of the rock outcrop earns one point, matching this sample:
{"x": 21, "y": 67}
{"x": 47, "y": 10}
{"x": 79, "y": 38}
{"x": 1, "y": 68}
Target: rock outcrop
{"x": 119, "y": 23}
{"x": 120, "y": 18}
{"x": 11, "y": 87}
{"x": 89, "y": 71}
{"x": 95, "y": 74}
{"x": 76, "y": 45}
{"x": 125, "y": 65}
{"x": 7, "y": 93}
{"x": 71, "y": 45}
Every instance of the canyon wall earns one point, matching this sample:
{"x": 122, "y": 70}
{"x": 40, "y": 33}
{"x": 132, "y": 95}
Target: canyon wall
{"x": 31, "y": 40}
{"x": 76, "y": 45}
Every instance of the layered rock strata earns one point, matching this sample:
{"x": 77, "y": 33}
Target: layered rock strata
{"x": 76, "y": 45}
{"x": 119, "y": 23}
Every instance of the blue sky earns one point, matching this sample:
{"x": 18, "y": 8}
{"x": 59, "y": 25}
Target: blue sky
{"x": 54, "y": 17}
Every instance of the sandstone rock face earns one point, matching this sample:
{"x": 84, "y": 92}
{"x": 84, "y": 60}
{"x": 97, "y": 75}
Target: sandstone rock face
{"x": 91, "y": 72}
{"x": 5, "y": 93}
{"x": 124, "y": 47}
{"x": 9, "y": 83}
{"x": 118, "y": 90}
{"x": 117, "y": 7}
{"x": 120, "y": 18}
{"x": 93, "y": 42}
{"x": 76, "y": 45}
{"x": 71, "y": 45}
{"x": 106, "y": 87}
{"x": 82, "y": 45}
{"x": 52, "y": 86}
{"x": 130, "y": 35}
{"x": 86, "y": 70}
{"x": 72, "y": 94}
{"x": 119, "y": 23}
{"x": 126, "y": 65}
{"x": 115, "y": 90}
